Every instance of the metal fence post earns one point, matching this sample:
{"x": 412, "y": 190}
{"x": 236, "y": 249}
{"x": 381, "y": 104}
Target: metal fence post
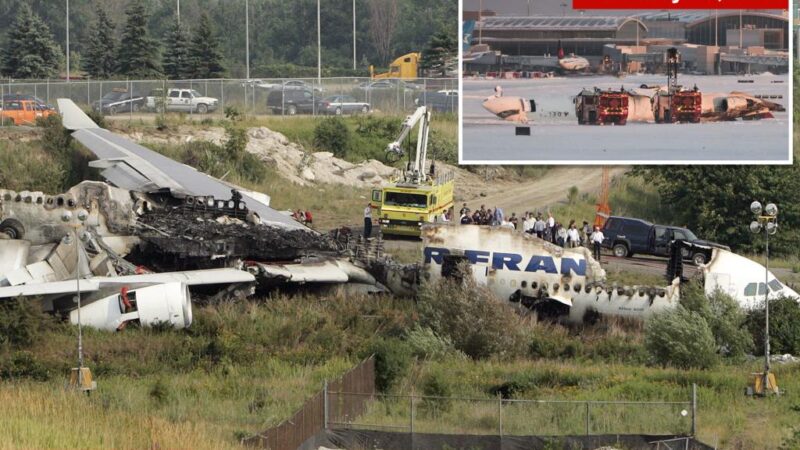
{"x": 325, "y": 405}
{"x": 694, "y": 409}
{"x": 587, "y": 419}
{"x": 500, "y": 416}
{"x": 411, "y": 403}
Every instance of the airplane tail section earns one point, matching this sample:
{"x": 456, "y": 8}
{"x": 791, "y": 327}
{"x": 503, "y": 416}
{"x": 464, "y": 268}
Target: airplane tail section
{"x": 467, "y": 30}
{"x": 73, "y": 117}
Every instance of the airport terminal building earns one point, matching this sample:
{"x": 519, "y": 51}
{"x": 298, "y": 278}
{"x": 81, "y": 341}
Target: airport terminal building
{"x": 710, "y": 41}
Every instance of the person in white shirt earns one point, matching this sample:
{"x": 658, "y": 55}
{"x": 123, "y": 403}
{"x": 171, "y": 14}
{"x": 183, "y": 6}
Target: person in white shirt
{"x": 597, "y": 240}
{"x": 368, "y": 221}
{"x": 527, "y": 225}
{"x": 574, "y": 236}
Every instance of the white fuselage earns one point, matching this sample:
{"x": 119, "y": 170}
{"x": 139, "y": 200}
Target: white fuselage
{"x": 516, "y": 265}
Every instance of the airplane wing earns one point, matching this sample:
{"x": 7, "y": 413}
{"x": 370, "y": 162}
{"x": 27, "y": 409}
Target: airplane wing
{"x": 189, "y": 278}
{"x": 131, "y": 166}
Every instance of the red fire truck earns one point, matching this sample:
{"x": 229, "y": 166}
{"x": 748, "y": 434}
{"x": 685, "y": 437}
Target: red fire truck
{"x": 600, "y": 107}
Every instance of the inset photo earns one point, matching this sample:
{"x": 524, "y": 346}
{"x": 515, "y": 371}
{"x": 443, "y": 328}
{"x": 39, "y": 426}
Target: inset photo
{"x": 547, "y": 84}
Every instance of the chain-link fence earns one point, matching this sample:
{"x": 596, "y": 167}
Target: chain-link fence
{"x": 327, "y": 96}
{"x": 413, "y": 414}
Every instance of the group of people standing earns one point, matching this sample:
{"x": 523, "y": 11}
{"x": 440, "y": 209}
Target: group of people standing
{"x": 546, "y": 228}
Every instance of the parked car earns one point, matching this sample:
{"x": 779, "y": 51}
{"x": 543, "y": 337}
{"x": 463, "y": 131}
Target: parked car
{"x": 119, "y": 101}
{"x": 442, "y": 101}
{"x": 292, "y": 102}
{"x": 627, "y": 236}
{"x": 39, "y": 104}
{"x": 289, "y": 85}
{"x": 343, "y": 104}
{"x": 389, "y": 85}
{"x": 187, "y": 100}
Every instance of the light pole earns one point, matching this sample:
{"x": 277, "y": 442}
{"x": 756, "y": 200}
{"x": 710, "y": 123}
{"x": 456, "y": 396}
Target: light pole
{"x": 766, "y": 220}
{"x": 67, "y": 40}
{"x": 354, "y": 34}
{"x": 247, "y": 37}
{"x": 82, "y": 376}
{"x": 178, "y": 11}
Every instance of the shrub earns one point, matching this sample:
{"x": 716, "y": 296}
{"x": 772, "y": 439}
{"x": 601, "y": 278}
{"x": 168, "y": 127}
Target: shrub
{"x": 23, "y": 364}
{"x": 160, "y": 393}
{"x": 436, "y": 384}
{"x": 233, "y": 114}
{"x": 332, "y": 135}
{"x": 784, "y": 326}
{"x": 425, "y": 344}
{"x": 723, "y": 315}
{"x": 98, "y": 118}
{"x": 472, "y": 318}
{"x": 680, "y": 338}
{"x": 392, "y": 360}
{"x": 21, "y": 322}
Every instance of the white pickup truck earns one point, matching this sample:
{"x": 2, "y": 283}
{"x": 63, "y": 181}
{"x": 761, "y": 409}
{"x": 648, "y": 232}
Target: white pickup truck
{"x": 184, "y": 100}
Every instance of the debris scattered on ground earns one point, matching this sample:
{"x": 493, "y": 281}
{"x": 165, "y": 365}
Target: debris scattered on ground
{"x": 784, "y": 359}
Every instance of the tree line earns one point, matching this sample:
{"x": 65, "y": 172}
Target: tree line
{"x": 147, "y": 38}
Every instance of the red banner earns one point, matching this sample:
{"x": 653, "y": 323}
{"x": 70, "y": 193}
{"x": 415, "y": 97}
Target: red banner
{"x": 680, "y": 4}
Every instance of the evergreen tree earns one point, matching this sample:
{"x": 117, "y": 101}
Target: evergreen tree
{"x": 100, "y": 60}
{"x": 205, "y": 54}
{"x": 440, "y": 54}
{"x": 30, "y": 51}
{"x": 176, "y": 62}
{"x": 138, "y": 52}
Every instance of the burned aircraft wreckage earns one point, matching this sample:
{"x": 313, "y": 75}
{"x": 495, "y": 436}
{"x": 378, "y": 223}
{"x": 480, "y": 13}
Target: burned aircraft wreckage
{"x": 136, "y": 245}
{"x": 139, "y": 247}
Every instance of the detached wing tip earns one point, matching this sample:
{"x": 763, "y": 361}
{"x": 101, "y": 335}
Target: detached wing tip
{"x": 72, "y": 117}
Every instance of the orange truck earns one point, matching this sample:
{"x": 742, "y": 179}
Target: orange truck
{"x": 23, "y": 112}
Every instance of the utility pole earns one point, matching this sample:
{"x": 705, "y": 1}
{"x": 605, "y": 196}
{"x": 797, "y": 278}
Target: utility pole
{"x": 67, "y": 40}
{"x": 354, "y": 34}
{"x": 247, "y": 36}
{"x": 178, "y": 11}
{"x": 319, "y": 48}
{"x": 529, "y": 8}
{"x": 480, "y": 20}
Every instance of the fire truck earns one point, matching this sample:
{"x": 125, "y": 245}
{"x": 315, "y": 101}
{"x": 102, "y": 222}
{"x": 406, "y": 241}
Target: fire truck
{"x": 421, "y": 194}
{"x": 600, "y": 107}
{"x": 676, "y": 104}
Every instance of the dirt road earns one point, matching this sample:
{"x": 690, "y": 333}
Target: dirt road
{"x": 549, "y": 189}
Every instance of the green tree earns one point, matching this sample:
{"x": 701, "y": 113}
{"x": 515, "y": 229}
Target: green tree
{"x": 205, "y": 54}
{"x": 440, "y": 55}
{"x": 723, "y": 315}
{"x": 714, "y": 201}
{"x": 138, "y": 52}
{"x": 29, "y": 51}
{"x": 101, "y": 49}
{"x": 784, "y": 326}
{"x": 176, "y": 62}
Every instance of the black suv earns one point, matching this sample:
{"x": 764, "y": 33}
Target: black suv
{"x": 626, "y": 236}
{"x": 293, "y": 101}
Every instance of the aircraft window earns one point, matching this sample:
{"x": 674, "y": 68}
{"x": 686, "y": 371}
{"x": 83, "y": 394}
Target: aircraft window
{"x": 405, "y": 199}
{"x": 750, "y": 289}
{"x": 775, "y": 285}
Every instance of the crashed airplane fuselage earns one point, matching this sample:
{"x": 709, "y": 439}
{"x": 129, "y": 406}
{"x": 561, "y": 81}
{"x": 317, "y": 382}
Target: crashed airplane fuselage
{"x": 521, "y": 268}
{"x": 136, "y": 247}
